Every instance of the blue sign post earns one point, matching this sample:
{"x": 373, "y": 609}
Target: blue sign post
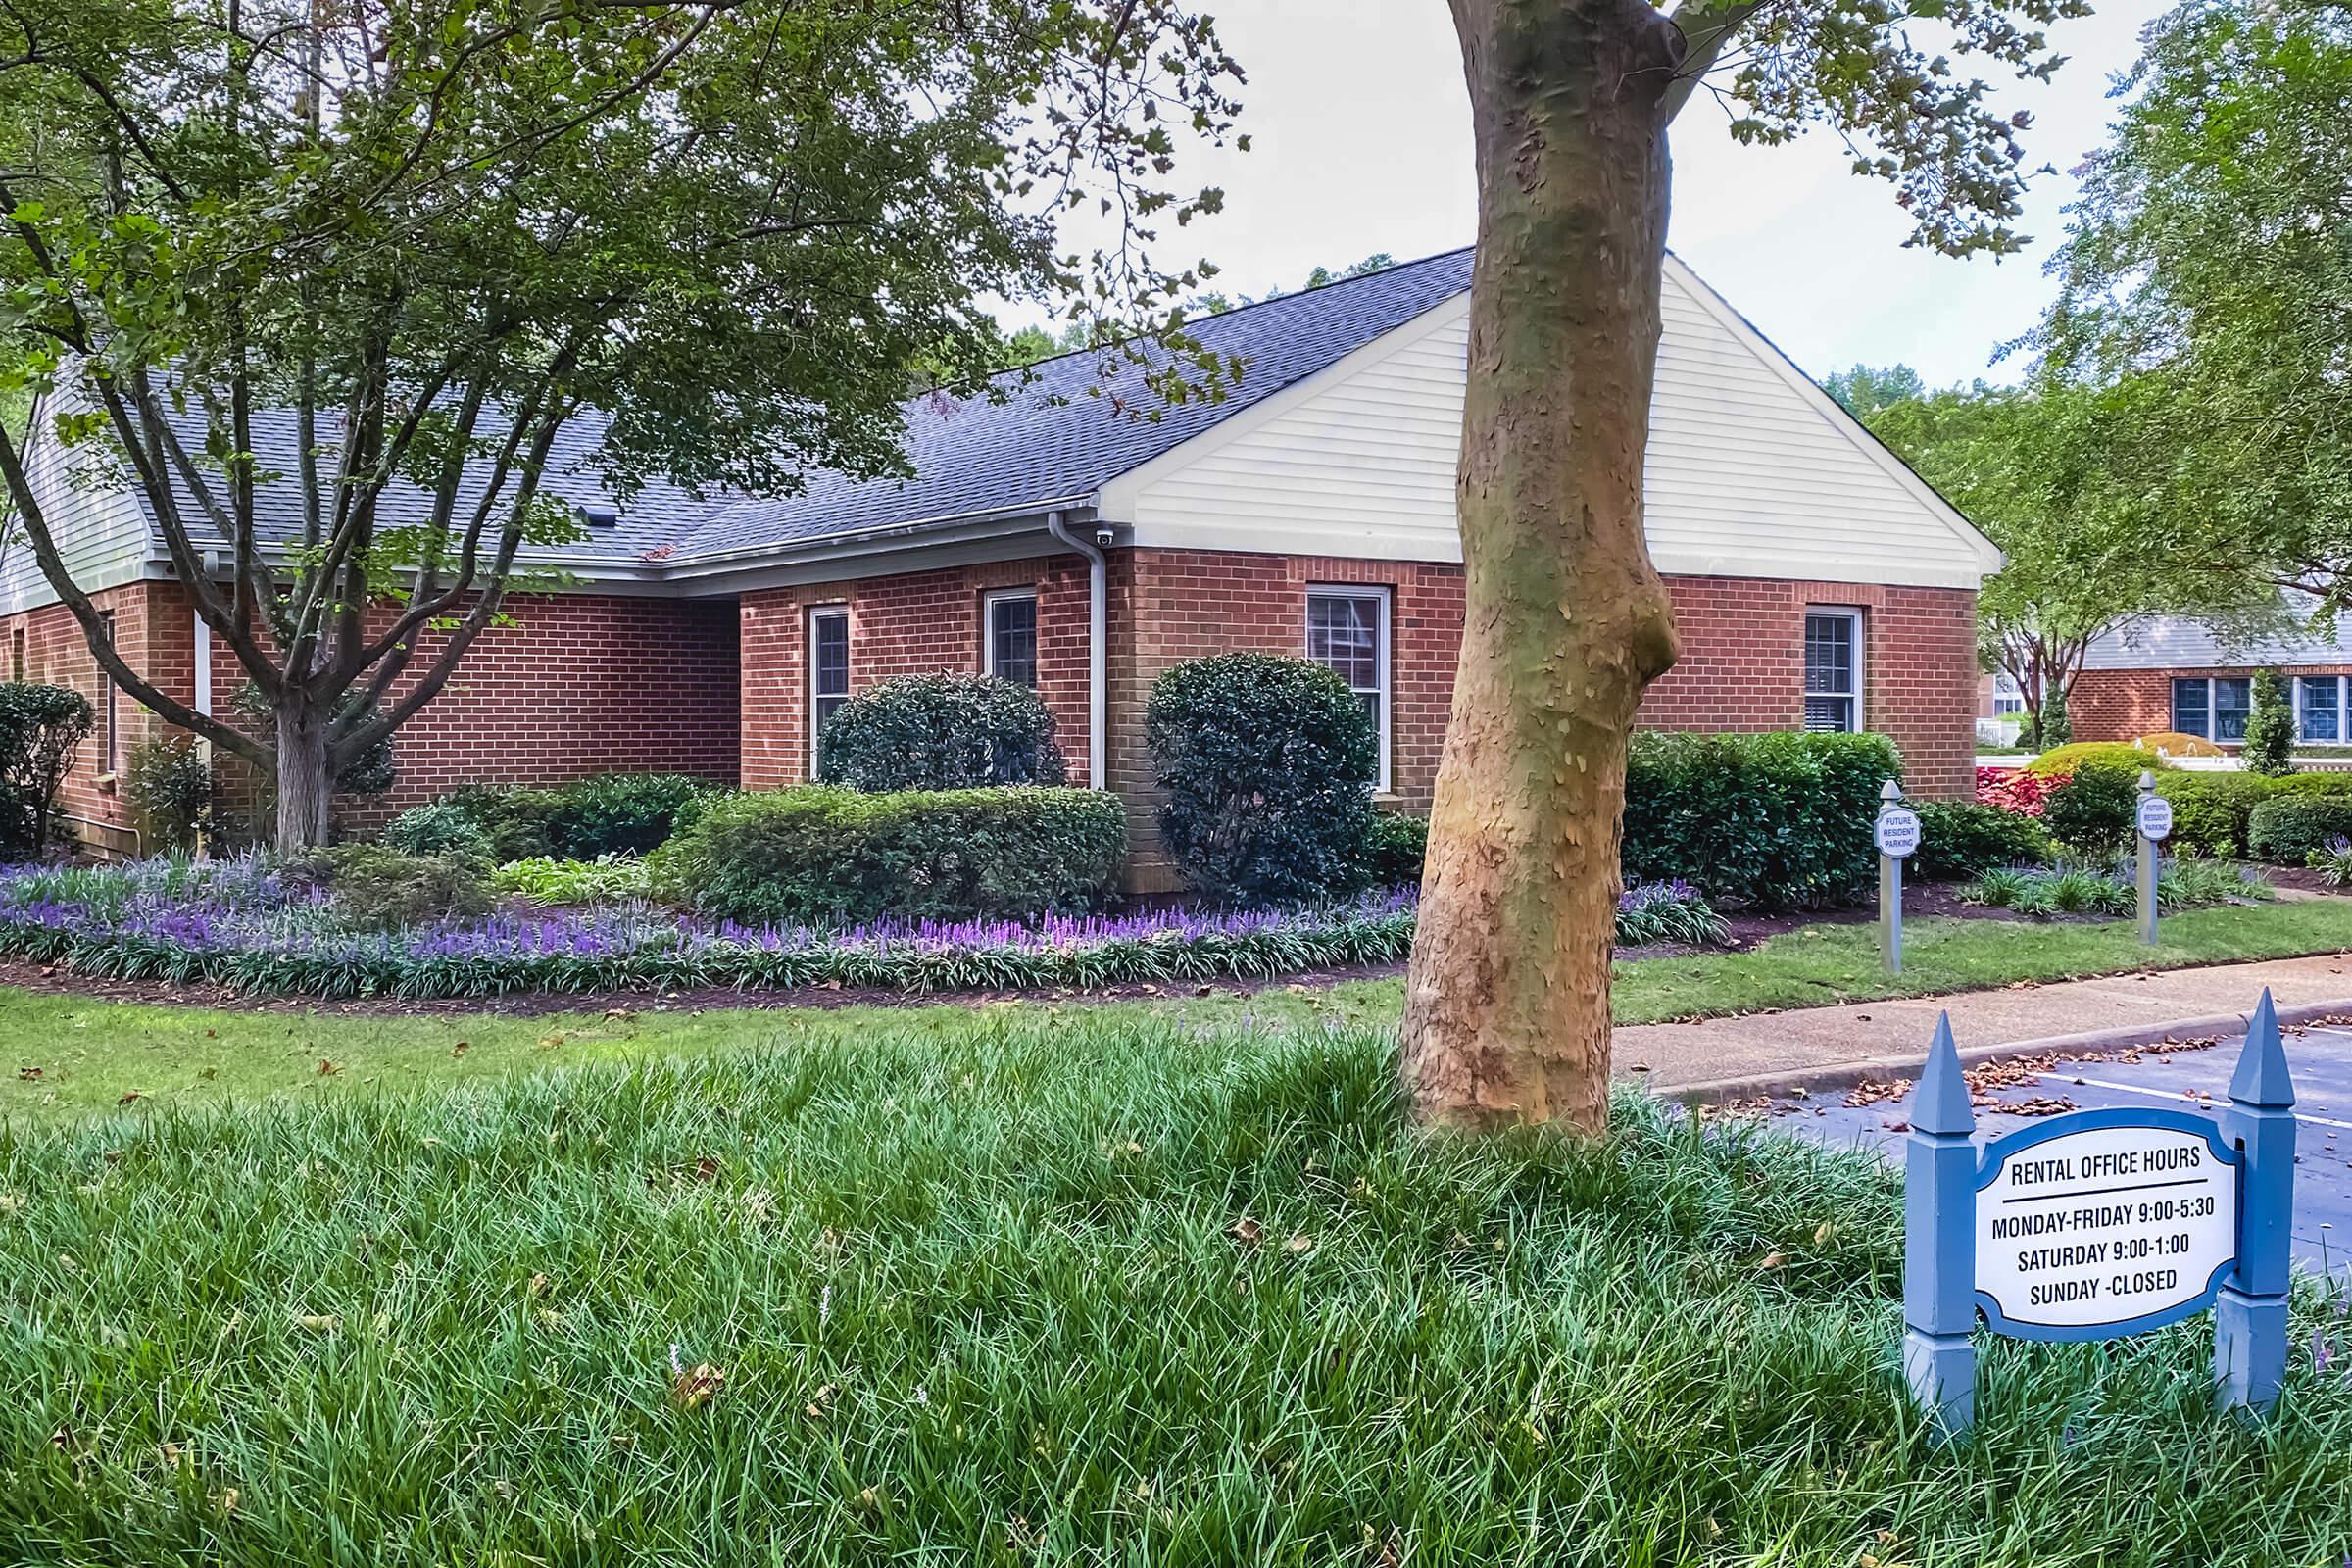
{"x": 2099, "y": 1224}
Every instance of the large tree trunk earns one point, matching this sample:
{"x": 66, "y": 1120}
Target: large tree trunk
{"x": 305, "y": 787}
{"x": 1565, "y": 621}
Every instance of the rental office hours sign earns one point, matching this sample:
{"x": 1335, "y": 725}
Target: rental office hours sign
{"x": 2099, "y": 1224}
{"x": 2104, "y": 1223}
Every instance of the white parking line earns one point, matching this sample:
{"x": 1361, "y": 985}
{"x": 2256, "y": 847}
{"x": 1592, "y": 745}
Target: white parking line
{"x": 2216, "y": 1102}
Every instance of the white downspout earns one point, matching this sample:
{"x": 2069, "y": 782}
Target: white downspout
{"x": 1097, "y": 650}
{"x": 204, "y": 673}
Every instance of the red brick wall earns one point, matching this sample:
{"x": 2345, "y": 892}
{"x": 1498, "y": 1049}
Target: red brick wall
{"x": 579, "y": 685}
{"x": 1742, "y": 663}
{"x": 56, "y": 653}
{"x": 916, "y": 623}
{"x": 2123, "y": 705}
{"x": 1742, "y": 667}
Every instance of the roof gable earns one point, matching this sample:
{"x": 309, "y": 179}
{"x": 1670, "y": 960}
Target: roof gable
{"x": 1752, "y": 471}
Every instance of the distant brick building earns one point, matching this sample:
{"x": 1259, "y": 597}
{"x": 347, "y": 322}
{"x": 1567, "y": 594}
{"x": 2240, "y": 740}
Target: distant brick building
{"x": 2173, "y": 674}
{"x": 1052, "y": 537}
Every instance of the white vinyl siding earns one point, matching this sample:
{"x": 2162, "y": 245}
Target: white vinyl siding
{"x": 1752, "y": 471}
{"x": 101, "y": 529}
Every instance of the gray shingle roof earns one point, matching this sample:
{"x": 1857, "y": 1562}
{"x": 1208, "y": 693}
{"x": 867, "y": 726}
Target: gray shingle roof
{"x": 1045, "y": 440}
{"x": 1049, "y": 440}
{"x": 2170, "y": 642}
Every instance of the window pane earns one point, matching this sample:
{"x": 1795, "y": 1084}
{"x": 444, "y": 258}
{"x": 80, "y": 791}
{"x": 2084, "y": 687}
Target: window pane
{"x": 1012, "y": 640}
{"x": 2320, "y": 708}
{"x": 829, "y": 670}
{"x": 1343, "y": 634}
{"x": 1828, "y": 715}
{"x": 1830, "y": 655}
{"x": 2189, "y": 708}
{"x": 2232, "y": 700}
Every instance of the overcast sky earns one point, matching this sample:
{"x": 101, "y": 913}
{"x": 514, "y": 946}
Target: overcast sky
{"x": 1361, "y": 133}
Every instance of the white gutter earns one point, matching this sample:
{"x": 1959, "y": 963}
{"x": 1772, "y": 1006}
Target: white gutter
{"x": 1097, "y": 650}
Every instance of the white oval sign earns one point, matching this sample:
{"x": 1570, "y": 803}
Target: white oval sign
{"x": 1897, "y": 832}
{"x": 2155, "y": 819}
{"x": 2104, "y": 1223}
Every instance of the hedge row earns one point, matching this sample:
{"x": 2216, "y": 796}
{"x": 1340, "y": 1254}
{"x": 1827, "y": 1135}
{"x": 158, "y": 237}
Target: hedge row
{"x": 818, "y": 854}
{"x": 1767, "y": 821}
{"x": 2213, "y": 814}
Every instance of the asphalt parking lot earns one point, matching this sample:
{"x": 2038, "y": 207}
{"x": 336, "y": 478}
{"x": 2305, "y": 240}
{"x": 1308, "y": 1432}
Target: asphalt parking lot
{"x": 2193, "y": 1076}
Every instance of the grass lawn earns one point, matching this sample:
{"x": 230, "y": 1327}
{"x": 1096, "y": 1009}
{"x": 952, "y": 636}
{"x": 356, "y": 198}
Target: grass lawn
{"x": 1107, "y": 1289}
{"x": 68, "y": 1056}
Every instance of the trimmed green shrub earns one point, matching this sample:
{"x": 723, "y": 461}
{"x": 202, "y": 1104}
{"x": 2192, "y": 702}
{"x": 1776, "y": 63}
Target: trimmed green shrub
{"x": 2112, "y": 754}
{"x": 2270, "y": 743}
{"x": 40, "y": 728}
{"x": 517, "y": 821}
{"x": 2092, "y": 810}
{"x": 2287, "y": 831}
{"x": 624, "y": 813}
{"x": 940, "y": 732}
{"x": 443, "y": 827}
{"x": 380, "y": 889}
{"x": 170, "y": 787}
{"x": 603, "y": 813}
{"x": 820, "y": 855}
{"x": 1961, "y": 839}
{"x": 1765, "y": 821}
{"x": 1395, "y": 849}
{"x": 2212, "y": 813}
{"x": 1265, "y": 766}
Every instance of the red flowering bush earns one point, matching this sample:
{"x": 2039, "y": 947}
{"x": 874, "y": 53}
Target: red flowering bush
{"x": 2013, "y": 789}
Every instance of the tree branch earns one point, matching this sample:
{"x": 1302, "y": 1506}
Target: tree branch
{"x": 1708, "y": 28}
{"x": 93, "y": 626}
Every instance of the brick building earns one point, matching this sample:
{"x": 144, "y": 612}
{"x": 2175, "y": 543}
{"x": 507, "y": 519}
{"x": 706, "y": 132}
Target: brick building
{"x": 2167, "y": 674}
{"x": 1050, "y": 535}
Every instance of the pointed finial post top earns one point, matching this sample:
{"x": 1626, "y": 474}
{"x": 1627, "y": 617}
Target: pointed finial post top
{"x": 1890, "y": 791}
{"x": 2262, "y": 1080}
{"x": 1939, "y": 1104}
{"x": 2147, "y": 781}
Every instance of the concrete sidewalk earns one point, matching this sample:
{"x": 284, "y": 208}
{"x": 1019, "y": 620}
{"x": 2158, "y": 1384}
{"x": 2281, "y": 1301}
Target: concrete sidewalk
{"x": 1822, "y": 1048}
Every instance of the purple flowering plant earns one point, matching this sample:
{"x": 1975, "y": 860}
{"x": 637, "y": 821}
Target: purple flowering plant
{"x": 237, "y": 922}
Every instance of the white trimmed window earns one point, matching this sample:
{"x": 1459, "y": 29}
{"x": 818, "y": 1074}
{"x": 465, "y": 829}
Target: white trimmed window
{"x": 1009, "y": 642}
{"x": 1348, "y": 634}
{"x": 2320, "y": 709}
{"x": 828, "y": 669}
{"x": 1834, "y": 670}
{"x": 2214, "y": 707}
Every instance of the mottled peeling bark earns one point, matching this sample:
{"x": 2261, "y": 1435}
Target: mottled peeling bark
{"x": 1566, "y": 621}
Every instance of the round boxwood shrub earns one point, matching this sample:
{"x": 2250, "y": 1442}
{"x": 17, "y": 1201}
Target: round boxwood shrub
{"x": 1960, "y": 840}
{"x": 623, "y": 813}
{"x": 2093, "y": 811}
{"x": 823, "y": 856}
{"x": 2285, "y": 830}
{"x": 443, "y": 827}
{"x": 1265, "y": 765}
{"x": 379, "y": 889}
{"x": 2082, "y": 753}
{"x": 1395, "y": 848}
{"x": 940, "y": 732}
